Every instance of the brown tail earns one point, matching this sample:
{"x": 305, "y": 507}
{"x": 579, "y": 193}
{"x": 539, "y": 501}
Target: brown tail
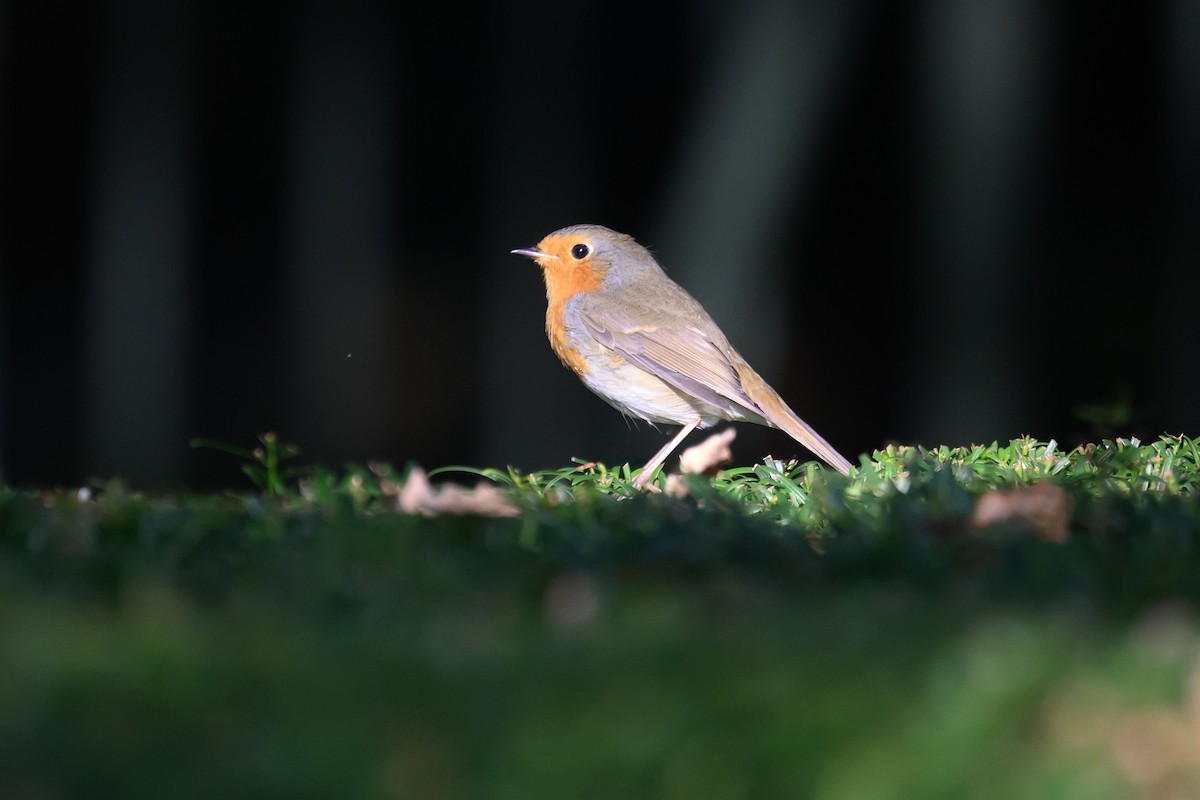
{"x": 782, "y": 417}
{"x": 803, "y": 433}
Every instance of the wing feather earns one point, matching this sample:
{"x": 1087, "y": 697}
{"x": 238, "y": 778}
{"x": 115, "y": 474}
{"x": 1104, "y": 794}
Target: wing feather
{"x": 676, "y": 349}
{"x": 680, "y": 354}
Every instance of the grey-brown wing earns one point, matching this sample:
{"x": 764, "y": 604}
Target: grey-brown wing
{"x": 680, "y": 354}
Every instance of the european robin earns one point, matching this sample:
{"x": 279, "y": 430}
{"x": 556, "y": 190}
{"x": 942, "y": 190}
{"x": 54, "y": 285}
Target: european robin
{"x": 641, "y": 342}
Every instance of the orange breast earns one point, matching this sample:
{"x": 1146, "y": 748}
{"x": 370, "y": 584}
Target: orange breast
{"x": 562, "y": 283}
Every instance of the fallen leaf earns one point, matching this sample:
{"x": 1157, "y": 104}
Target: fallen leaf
{"x": 676, "y": 486}
{"x": 1043, "y": 507}
{"x": 701, "y": 459}
{"x": 419, "y": 496}
{"x": 710, "y": 455}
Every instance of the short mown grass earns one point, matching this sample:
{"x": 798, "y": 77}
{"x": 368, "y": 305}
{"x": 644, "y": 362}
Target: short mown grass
{"x": 999, "y": 621}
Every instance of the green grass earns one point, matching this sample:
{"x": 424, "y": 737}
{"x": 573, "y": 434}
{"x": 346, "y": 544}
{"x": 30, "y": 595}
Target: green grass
{"x": 779, "y": 632}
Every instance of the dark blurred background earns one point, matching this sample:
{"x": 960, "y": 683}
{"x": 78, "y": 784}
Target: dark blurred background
{"x": 942, "y": 222}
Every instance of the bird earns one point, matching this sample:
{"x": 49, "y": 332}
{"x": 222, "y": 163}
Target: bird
{"x": 647, "y": 347}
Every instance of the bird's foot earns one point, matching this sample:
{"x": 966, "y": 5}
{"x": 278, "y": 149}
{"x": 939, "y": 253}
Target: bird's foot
{"x": 642, "y": 481}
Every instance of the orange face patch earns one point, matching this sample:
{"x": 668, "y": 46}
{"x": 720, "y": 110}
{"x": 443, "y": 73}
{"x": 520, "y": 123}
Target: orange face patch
{"x": 567, "y": 275}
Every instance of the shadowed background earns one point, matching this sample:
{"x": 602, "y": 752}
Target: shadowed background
{"x": 947, "y": 222}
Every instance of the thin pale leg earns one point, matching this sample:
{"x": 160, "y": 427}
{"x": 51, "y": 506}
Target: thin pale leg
{"x": 640, "y": 481}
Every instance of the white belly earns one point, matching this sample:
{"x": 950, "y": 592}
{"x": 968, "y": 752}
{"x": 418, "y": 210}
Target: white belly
{"x": 639, "y": 394}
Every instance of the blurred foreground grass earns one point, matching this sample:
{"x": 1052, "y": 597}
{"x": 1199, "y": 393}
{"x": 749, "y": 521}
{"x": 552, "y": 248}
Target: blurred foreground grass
{"x": 1001, "y": 622}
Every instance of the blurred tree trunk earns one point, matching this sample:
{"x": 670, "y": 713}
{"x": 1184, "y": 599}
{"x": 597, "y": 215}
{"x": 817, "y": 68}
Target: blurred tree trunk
{"x": 342, "y": 287}
{"x": 1177, "y": 349}
{"x": 137, "y": 309}
{"x": 980, "y": 96}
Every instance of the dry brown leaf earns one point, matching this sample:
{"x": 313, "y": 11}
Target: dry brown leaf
{"x": 1043, "y": 507}
{"x": 416, "y": 492}
{"x": 710, "y": 455}
{"x": 419, "y": 496}
{"x": 702, "y": 459}
{"x": 676, "y": 486}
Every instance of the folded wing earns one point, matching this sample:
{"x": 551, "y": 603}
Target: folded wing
{"x": 682, "y": 356}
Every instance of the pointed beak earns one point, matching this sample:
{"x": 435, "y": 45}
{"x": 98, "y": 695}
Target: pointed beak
{"x": 532, "y": 252}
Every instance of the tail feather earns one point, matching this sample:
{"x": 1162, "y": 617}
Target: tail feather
{"x": 803, "y": 433}
{"x": 773, "y": 409}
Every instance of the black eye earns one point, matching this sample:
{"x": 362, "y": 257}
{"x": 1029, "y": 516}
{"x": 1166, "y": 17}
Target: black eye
{"x": 580, "y": 252}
